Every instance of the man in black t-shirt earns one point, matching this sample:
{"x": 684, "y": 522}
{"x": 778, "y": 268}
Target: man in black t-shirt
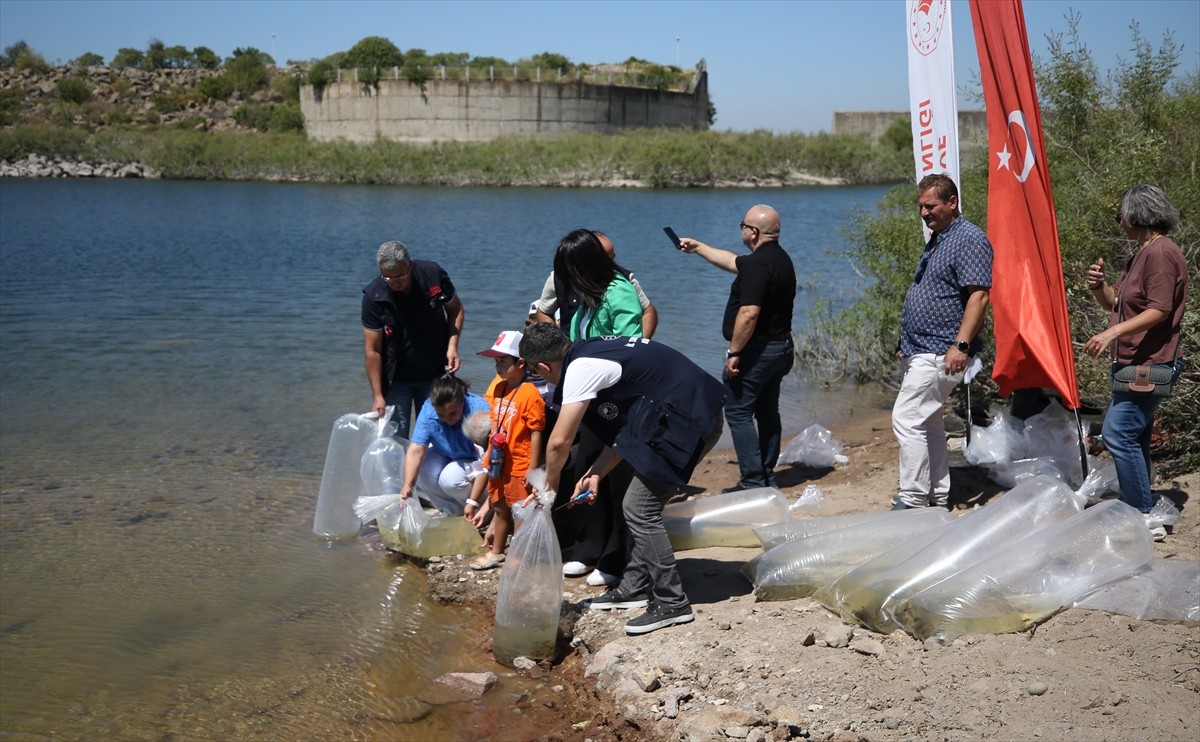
{"x": 412, "y": 319}
{"x": 758, "y": 326}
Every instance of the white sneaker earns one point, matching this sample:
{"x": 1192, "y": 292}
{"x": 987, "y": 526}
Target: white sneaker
{"x": 1158, "y": 532}
{"x": 574, "y": 569}
{"x": 598, "y": 578}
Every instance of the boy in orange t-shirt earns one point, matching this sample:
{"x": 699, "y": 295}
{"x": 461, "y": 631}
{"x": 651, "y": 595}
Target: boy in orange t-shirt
{"x": 518, "y": 417}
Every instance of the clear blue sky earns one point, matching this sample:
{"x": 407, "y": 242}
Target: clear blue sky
{"x": 782, "y": 65}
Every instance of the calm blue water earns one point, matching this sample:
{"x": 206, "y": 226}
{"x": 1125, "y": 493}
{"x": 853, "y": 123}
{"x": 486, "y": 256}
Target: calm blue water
{"x": 172, "y": 355}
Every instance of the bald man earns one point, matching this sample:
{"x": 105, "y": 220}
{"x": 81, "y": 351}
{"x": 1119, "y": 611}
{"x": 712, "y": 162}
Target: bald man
{"x": 758, "y": 326}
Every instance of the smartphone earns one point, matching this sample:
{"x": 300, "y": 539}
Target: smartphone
{"x": 674, "y": 238}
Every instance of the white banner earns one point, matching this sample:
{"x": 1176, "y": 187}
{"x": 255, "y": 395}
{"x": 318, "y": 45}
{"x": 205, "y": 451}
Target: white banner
{"x": 931, "y": 89}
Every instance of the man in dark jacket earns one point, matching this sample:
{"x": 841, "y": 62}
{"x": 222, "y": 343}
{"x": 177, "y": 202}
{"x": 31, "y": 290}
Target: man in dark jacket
{"x": 412, "y": 319}
{"x": 651, "y": 406}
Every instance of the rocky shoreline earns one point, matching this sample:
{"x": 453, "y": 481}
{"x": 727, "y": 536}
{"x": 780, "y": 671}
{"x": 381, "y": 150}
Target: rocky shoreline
{"x": 789, "y": 670}
{"x": 38, "y": 166}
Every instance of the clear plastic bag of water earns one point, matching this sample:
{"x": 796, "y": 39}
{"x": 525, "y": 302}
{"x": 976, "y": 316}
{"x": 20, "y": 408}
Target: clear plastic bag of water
{"x": 780, "y": 533}
{"x": 1035, "y": 577}
{"x": 529, "y": 599}
{"x": 866, "y": 593}
{"x": 1168, "y": 591}
{"x": 341, "y": 480}
{"x": 726, "y": 519}
{"x": 797, "y": 569}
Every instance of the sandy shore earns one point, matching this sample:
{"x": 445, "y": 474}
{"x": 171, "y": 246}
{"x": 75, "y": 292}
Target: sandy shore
{"x": 763, "y": 671}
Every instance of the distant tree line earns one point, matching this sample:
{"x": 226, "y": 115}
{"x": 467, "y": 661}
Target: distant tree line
{"x": 374, "y": 56}
{"x": 248, "y": 71}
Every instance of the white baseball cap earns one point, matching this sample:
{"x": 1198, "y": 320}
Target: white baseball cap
{"x": 508, "y": 344}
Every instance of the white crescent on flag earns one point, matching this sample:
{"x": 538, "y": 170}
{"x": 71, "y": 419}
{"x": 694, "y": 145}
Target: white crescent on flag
{"x": 1028, "y": 158}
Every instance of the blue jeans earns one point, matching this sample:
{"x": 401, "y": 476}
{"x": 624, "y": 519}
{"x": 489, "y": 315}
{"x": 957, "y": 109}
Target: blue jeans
{"x": 754, "y": 395}
{"x": 405, "y": 395}
{"x": 1126, "y": 432}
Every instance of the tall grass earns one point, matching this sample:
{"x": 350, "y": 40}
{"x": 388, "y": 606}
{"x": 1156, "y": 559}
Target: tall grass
{"x": 657, "y": 157}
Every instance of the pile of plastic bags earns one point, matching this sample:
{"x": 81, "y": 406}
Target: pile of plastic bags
{"x": 1029, "y": 553}
{"x": 1014, "y": 449}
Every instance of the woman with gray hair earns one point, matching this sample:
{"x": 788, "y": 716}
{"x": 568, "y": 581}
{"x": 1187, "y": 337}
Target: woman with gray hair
{"x": 1146, "y": 307}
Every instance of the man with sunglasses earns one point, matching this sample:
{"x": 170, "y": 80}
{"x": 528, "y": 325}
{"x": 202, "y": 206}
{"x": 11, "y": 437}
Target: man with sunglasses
{"x": 412, "y": 319}
{"x": 758, "y": 326}
{"x": 942, "y": 315}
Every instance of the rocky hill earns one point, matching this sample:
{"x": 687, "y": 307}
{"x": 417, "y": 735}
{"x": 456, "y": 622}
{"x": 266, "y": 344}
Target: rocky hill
{"x": 95, "y": 97}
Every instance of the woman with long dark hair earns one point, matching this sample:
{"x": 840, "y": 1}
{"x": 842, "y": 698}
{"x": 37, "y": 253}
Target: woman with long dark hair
{"x": 601, "y": 300}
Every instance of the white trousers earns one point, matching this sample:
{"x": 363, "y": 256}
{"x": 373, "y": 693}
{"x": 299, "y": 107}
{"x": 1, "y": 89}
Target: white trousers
{"x": 921, "y": 430}
{"x": 447, "y": 483}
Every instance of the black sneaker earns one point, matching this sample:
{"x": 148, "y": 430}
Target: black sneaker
{"x": 614, "y": 598}
{"x": 657, "y": 617}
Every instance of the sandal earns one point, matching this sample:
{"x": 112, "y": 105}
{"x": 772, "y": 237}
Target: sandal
{"x": 487, "y": 561}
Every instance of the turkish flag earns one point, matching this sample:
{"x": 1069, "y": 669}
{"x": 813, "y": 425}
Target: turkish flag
{"x": 1029, "y": 303}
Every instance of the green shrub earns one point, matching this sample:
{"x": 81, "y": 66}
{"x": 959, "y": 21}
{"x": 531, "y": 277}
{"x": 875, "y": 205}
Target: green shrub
{"x": 88, "y": 59}
{"x": 175, "y": 99}
{"x": 252, "y": 115}
{"x": 49, "y": 141}
{"x": 10, "y": 105}
{"x": 32, "y": 61}
{"x": 74, "y": 90}
{"x": 321, "y": 73}
{"x": 285, "y": 117}
{"x": 188, "y": 122}
{"x": 247, "y": 70}
{"x": 127, "y": 57}
{"x": 287, "y": 86}
{"x": 374, "y": 52}
{"x": 117, "y": 116}
{"x": 217, "y": 87}
{"x": 206, "y": 58}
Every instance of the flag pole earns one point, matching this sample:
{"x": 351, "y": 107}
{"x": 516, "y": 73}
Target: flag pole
{"x": 1082, "y": 444}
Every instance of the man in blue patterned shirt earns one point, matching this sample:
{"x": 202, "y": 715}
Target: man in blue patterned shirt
{"x": 939, "y": 324}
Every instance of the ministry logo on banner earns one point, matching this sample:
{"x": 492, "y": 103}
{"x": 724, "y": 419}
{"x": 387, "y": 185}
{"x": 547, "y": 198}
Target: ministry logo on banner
{"x": 932, "y": 102}
{"x": 925, "y": 19}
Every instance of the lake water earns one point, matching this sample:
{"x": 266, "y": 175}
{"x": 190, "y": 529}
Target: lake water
{"x": 172, "y": 356}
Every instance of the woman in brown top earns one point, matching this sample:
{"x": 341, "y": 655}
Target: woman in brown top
{"x": 1146, "y": 304}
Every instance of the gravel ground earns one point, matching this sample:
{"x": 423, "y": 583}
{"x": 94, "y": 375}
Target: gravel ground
{"x": 792, "y": 670}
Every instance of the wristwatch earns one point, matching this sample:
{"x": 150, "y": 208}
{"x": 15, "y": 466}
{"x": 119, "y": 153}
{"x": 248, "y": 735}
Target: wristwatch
{"x": 732, "y": 353}
{"x": 965, "y": 347}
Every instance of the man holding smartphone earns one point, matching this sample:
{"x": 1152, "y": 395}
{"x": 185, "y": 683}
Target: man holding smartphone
{"x": 758, "y": 326}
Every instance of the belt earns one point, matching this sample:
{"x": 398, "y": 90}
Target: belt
{"x": 770, "y": 338}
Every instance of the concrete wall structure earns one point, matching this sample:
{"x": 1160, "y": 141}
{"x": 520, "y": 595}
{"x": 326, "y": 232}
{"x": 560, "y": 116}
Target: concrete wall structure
{"x": 481, "y": 110}
{"x": 972, "y": 125}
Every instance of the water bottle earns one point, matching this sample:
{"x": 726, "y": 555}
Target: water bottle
{"x": 496, "y": 454}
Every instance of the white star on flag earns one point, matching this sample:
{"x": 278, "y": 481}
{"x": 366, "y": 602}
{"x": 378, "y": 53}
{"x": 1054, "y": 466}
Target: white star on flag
{"x": 1004, "y": 156}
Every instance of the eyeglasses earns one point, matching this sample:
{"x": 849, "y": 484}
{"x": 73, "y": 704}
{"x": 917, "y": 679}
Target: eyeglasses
{"x": 750, "y": 226}
{"x": 401, "y": 277}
